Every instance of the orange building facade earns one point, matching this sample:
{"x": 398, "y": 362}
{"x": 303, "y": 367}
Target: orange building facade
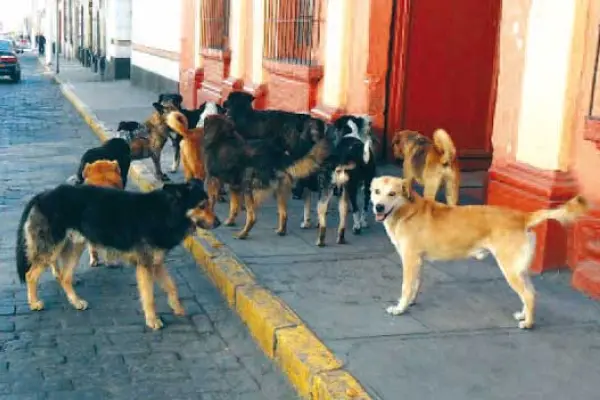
{"x": 485, "y": 70}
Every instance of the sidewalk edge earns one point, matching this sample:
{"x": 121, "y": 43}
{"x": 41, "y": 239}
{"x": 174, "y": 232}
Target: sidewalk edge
{"x": 309, "y": 365}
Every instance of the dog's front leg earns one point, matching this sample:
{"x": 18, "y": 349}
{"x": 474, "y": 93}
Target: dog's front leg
{"x": 146, "y": 289}
{"x": 343, "y": 211}
{"x": 352, "y": 195}
{"x": 366, "y": 201}
{"x": 176, "y": 156}
{"x": 307, "y": 195}
{"x": 411, "y": 276}
{"x": 322, "y": 206}
{"x": 161, "y": 176}
{"x": 234, "y": 207}
{"x": 282, "y": 217}
{"x": 250, "y": 215}
{"x": 168, "y": 286}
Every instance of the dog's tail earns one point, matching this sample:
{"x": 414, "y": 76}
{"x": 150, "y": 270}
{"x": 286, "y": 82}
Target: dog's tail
{"x": 444, "y": 144}
{"x": 23, "y": 261}
{"x": 566, "y": 213}
{"x": 178, "y": 123}
{"x": 311, "y": 162}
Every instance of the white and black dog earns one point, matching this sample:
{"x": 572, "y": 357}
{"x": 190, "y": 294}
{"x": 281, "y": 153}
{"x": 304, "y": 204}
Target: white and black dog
{"x": 350, "y": 166}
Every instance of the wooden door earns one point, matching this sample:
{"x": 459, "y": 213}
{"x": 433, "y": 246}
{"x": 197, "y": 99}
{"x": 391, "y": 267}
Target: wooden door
{"x": 443, "y": 71}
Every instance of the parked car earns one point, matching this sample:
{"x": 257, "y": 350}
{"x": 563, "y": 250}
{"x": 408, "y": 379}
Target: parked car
{"x": 9, "y": 62}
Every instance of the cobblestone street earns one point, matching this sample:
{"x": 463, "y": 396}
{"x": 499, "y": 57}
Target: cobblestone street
{"x": 106, "y": 351}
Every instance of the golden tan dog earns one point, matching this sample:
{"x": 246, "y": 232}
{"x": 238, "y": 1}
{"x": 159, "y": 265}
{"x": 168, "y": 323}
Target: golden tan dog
{"x": 191, "y": 146}
{"x": 421, "y": 228}
{"x": 429, "y": 162}
{"x": 105, "y": 173}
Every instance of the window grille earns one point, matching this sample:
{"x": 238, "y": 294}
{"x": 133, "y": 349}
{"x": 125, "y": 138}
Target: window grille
{"x": 214, "y": 20}
{"x": 292, "y": 31}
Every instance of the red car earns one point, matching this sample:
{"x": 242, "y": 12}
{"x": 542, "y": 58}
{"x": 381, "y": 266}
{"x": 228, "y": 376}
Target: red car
{"x": 9, "y": 62}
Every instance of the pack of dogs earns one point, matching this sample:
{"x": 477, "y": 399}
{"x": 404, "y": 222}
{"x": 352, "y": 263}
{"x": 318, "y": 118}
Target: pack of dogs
{"x": 253, "y": 155}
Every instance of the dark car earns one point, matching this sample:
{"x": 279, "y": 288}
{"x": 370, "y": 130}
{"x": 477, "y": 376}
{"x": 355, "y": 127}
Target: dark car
{"x": 9, "y": 62}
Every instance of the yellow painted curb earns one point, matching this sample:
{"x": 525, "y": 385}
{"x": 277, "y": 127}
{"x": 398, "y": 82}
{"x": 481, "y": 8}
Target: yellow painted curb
{"x": 309, "y": 365}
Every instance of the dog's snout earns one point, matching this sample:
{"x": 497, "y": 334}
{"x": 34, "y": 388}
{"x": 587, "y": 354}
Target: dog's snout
{"x": 379, "y": 208}
{"x": 217, "y": 222}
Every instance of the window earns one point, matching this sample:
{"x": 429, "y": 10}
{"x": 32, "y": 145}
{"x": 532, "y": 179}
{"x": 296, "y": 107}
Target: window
{"x": 214, "y": 20}
{"x": 292, "y": 31}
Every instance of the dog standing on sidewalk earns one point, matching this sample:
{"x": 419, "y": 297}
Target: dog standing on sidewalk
{"x": 429, "y": 162}
{"x": 422, "y": 228}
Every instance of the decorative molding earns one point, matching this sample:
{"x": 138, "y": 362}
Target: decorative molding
{"x": 154, "y": 51}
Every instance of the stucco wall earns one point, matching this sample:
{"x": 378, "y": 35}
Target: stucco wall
{"x": 155, "y": 24}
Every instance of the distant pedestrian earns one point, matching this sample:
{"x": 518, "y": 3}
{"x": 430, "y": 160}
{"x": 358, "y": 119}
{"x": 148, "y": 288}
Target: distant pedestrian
{"x": 42, "y": 45}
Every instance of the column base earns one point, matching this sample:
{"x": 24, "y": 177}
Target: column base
{"x": 259, "y": 91}
{"x": 584, "y": 254}
{"x": 522, "y": 187}
{"x": 231, "y": 84}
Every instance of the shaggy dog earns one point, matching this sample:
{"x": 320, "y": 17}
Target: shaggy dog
{"x": 139, "y": 228}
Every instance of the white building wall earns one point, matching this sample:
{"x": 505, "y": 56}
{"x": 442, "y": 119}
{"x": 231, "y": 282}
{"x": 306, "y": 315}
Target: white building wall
{"x": 118, "y": 28}
{"x": 156, "y": 24}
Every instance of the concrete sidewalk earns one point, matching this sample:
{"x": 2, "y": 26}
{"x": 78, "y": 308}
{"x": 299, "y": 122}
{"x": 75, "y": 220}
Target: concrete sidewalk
{"x": 458, "y": 342}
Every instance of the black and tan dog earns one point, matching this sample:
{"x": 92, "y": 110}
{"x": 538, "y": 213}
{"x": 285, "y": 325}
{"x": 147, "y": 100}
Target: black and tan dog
{"x": 253, "y": 169}
{"x": 195, "y": 119}
{"x": 429, "y": 162}
{"x": 139, "y": 228}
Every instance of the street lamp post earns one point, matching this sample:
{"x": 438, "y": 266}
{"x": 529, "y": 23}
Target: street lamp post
{"x": 57, "y": 38}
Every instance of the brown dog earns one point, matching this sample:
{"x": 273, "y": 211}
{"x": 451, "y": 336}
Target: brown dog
{"x": 105, "y": 173}
{"x": 421, "y": 228}
{"x": 429, "y": 162}
{"x": 150, "y": 139}
{"x": 191, "y": 146}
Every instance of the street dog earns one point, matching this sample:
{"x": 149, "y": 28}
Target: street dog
{"x": 103, "y": 173}
{"x": 131, "y": 127}
{"x": 191, "y": 146}
{"x": 430, "y": 163}
{"x": 115, "y": 149}
{"x": 139, "y": 228}
{"x": 421, "y": 228}
{"x": 149, "y": 141}
{"x": 358, "y": 127}
{"x": 253, "y": 169}
{"x": 195, "y": 119}
{"x": 343, "y": 173}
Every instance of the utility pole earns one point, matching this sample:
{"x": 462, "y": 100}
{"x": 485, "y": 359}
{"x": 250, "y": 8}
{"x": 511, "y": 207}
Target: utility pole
{"x": 57, "y": 38}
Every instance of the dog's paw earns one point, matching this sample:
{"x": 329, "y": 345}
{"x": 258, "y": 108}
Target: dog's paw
{"x": 222, "y": 199}
{"x": 395, "y": 310}
{"x": 229, "y": 222}
{"x": 36, "y": 305}
{"x": 172, "y": 170}
{"x": 519, "y": 315}
{"x": 305, "y": 224}
{"x": 80, "y": 304}
{"x": 280, "y": 232}
{"x": 321, "y": 243}
{"x": 241, "y": 235}
{"x": 164, "y": 178}
{"x": 525, "y": 325}
{"x": 154, "y": 323}
{"x": 356, "y": 230}
{"x": 177, "y": 308}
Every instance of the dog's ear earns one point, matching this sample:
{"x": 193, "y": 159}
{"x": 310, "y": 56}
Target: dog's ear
{"x": 158, "y": 107}
{"x": 161, "y": 97}
{"x": 407, "y": 190}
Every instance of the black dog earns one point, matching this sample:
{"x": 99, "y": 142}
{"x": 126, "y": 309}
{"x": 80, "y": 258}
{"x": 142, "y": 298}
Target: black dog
{"x": 139, "y": 228}
{"x": 131, "y": 127}
{"x": 116, "y": 149}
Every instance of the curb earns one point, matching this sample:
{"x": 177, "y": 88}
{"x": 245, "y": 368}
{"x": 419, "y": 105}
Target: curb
{"x": 309, "y": 365}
